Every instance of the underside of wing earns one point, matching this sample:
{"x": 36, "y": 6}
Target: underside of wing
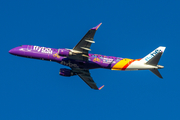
{"x": 89, "y": 81}
{"x": 83, "y": 47}
{"x": 86, "y": 77}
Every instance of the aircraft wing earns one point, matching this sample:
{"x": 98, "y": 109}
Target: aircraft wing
{"x": 86, "y": 77}
{"x": 83, "y": 47}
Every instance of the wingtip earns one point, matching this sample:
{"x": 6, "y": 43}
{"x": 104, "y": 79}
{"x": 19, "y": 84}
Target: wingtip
{"x": 101, "y": 87}
{"x": 95, "y": 28}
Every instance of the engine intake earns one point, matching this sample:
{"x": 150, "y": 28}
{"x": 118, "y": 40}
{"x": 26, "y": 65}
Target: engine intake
{"x": 66, "y": 72}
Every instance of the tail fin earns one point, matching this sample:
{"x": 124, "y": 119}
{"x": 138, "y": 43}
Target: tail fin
{"x": 153, "y": 59}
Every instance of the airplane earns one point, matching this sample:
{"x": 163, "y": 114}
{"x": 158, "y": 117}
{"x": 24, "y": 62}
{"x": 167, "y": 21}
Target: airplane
{"x": 81, "y": 61}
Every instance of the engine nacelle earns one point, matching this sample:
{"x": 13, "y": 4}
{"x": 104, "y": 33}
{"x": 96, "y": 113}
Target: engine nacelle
{"x": 66, "y": 72}
{"x": 65, "y": 52}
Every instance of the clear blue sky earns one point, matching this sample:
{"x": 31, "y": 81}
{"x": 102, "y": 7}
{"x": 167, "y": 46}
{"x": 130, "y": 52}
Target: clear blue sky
{"x": 33, "y": 90}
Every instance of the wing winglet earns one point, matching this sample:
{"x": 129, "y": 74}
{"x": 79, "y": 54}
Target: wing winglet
{"x": 101, "y": 87}
{"x": 95, "y": 28}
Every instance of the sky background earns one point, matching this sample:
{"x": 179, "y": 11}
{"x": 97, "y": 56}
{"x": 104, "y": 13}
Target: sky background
{"x": 33, "y": 89}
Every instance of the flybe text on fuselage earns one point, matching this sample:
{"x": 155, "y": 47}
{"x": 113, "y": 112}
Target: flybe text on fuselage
{"x": 42, "y": 49}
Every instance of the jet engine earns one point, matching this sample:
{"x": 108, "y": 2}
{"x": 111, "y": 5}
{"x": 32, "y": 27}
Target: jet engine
{"x": 65, "y": 52}
{"x": 66, "y": 72}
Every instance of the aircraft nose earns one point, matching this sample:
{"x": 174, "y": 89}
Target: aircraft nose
{"x": 11, "y": 51}
{"x": 17, "y": 51}
{"x": 14, "y": 51}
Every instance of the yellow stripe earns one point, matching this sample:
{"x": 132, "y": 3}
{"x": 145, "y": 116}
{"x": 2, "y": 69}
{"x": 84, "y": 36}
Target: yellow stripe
{"x": 121, "y": 64}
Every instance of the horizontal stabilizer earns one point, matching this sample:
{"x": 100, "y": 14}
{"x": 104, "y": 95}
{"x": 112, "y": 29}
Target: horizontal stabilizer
{"x": 156, "y": 72}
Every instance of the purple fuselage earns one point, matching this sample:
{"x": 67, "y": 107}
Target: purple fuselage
{"x": 52, "y": 54}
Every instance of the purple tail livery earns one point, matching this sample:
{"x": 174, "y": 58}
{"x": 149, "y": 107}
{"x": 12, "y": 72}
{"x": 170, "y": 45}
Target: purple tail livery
{"x": 81, "y": 61}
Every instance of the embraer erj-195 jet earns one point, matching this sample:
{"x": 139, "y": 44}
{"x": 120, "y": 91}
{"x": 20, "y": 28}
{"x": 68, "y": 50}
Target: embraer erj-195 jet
{"x": 81, "y": 61}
